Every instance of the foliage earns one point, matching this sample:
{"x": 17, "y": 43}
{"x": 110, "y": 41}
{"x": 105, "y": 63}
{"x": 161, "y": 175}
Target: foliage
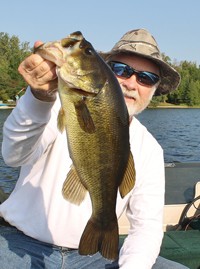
{"x": 12, "y": 53}
{"x": 188, "y": 91}
{"x": 157, "y": 100}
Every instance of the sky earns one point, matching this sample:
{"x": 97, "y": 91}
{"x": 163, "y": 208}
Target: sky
{"x": 174, "y": 24}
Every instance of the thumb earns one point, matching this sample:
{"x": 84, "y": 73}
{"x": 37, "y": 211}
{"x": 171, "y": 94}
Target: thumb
{"x": 37, "y": 43}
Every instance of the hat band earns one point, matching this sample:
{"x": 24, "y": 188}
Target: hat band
{"x": 125, "y": 42}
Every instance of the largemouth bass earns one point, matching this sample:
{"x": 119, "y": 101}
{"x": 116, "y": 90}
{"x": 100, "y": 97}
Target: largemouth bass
{"x": 96, "y": 120}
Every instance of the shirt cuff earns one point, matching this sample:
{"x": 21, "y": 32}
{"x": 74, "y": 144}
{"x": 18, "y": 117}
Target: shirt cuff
{"x": 35, "y": 109}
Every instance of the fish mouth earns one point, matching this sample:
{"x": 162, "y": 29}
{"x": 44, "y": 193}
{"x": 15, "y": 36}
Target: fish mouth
{"x": 82, "y": 92}
{"x": 51, "y": 51}
{"x": 73, "y": 88}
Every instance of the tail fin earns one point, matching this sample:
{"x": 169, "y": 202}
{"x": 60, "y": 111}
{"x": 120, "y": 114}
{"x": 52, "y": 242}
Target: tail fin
{"x": 95, "y": 238}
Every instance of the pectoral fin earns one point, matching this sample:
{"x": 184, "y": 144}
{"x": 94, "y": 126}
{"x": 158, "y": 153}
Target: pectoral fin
{"x": 61, "y": 120}
{"x": 84, "y": 117}
{"x": 128, "y": 181}
{"x": 73, "y": 190}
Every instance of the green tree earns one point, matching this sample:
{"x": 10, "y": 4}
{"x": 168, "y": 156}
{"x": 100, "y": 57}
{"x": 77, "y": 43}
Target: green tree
{"x": 4, "y": 96}
{"x": 166, "y": 58}
{"x": 188, "y": 91}
{"x": 12, "y": 53}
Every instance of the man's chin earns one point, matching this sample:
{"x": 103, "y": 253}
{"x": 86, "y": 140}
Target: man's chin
{"x": 135, "y": 109}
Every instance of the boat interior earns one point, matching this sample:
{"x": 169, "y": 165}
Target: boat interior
{"x": 181, "y": 217}
{"x": 182, "y": 187}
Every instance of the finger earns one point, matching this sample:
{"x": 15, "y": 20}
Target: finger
{"x": 52, "y": 85}
{"x": 40, "y": 75}
{"x": 46, "y": 77}
{"x": 30, "y": 63}
{"x": 38, "y": 43}
{"x": 44, "y": 68}
{"x": 35, "y": 67}
{"x": 44, "y": 82}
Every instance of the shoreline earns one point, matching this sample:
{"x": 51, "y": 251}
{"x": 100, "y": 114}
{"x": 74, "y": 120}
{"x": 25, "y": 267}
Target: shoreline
{"x": 6, "y": 107}
{"x": 149, "y": 107}
{"x": 173, "y": 106}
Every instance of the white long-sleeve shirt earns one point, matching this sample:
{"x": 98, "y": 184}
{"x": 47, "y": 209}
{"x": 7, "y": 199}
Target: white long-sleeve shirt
{"x": 36, "y": 205}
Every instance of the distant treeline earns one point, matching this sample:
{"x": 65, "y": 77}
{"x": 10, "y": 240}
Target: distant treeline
{"x": 13, "y": 52}
{"x": 188, "y": 91}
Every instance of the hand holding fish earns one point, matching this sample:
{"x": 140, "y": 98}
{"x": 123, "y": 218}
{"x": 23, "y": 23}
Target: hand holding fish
{"x": 40, "y": 74}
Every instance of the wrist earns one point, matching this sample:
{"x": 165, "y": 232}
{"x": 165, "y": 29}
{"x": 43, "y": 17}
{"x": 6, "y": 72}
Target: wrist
{"x": 45, "y": 96}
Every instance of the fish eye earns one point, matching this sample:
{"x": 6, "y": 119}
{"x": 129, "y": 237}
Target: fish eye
{"x": 89, "y": 51}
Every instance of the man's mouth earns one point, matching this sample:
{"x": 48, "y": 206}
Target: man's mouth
{"x": 126, "y": 96}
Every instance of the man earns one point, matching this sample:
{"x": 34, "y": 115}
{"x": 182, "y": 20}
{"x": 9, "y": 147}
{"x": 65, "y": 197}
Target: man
{"x": 49, "y": 227}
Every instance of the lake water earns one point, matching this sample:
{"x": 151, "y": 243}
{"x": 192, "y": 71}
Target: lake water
{"x": 177, "y": 131}
{"x": 9, "y": 175}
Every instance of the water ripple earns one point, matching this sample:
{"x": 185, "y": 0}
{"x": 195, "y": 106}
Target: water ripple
{"x": 9, "y": 175}
{"x": 177, "y": 131}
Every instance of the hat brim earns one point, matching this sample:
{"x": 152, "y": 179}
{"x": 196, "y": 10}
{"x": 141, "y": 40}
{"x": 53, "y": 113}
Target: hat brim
{"x": 170, "y": 78}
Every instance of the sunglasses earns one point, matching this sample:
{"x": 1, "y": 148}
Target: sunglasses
{"x": 125, "y": 71}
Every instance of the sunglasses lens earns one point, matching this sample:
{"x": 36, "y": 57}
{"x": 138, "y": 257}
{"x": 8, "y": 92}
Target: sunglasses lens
{"x": 147, "y": 78}
{"x": 120, "y": 69}
{"x": 126, "y": 71}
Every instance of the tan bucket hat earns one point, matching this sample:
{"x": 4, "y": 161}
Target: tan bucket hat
{"x": 142, "y": 43}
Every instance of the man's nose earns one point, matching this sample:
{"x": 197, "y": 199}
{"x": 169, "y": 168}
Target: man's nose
{"x": 131, "y": 83}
